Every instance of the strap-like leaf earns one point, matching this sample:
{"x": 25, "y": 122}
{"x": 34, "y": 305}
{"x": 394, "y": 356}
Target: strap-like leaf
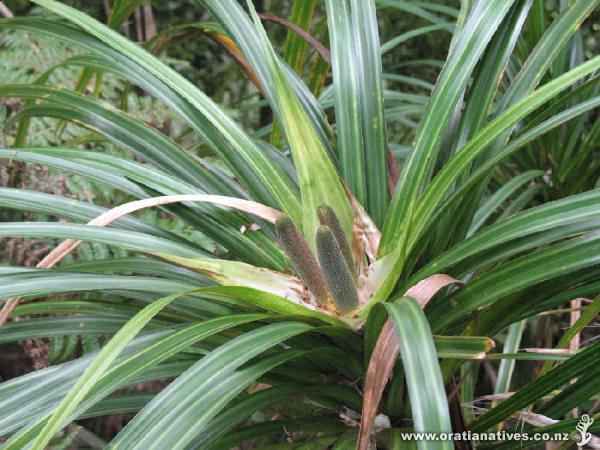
{"x": 423, "y": 375}
{"x": 232, "y": 16}
{"x": 198, "y": 394}
{"x": 319, "y": 182}
{"x": 270, "y": 174}
{"x": 359, "y": 102}
{"x": 482, "y": 23}
{"x": 583, "y": 363}
{"x": 96, "y": 369}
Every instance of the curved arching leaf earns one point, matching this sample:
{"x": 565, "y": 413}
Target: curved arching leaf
{"x": 423, "y": 375}
{"x": 271, "y": 175}
{"x": 198, "y": 394}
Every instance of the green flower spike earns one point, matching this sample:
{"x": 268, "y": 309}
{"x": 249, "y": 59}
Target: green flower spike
{"x": 303, "y": 261}
{"x": 327, "y": 217}
{"x": 338, "y": 275}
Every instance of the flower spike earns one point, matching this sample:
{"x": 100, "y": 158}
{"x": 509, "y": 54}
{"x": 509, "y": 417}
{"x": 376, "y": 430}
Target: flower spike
{"x": 302, "y": 259}
{"x": 338, "y": 275}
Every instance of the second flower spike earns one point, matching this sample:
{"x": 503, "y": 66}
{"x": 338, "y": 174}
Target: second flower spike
{"x": 338, "y": 275}
{"x": 327, "y": 217}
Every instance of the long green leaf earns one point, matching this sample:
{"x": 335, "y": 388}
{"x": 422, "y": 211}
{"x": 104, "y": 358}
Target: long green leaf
{"x": 527, "y": 271}
{"x": 60, "y": 326}
{"x": 483, "y": 21}
{"x": 507, "y": 238}
{"x": 431, "y": 199}
{"x": 264, "y": 300}
{"x": 359, "y": 102}
{"x": 319, "y": 182}
{"x": 125, "y": 130}
{"x": 578, "y": 393}
{"x": 499, "y": 197}
{"x": 588, "y": 315}
{"x": 585, "y": 362}
{"x": 111, "y": 236}
{"x": 232, "y": 16}
{"x": 401, "y": 38}
{"x": 423, "y": 375}
{"x": 507, "y": 366}
{"x": 203, "y": 390}
{"x": 58, "y": 281}
{"x": 270, "y": 174}
{"x": 221, "y": 225}
{"x": 96, "y": 369}
{"x": 137, "y": 361}
{"x": 68, "y": 208}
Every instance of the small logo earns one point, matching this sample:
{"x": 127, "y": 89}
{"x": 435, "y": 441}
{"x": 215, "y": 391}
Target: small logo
{"x": 584, "y": 423}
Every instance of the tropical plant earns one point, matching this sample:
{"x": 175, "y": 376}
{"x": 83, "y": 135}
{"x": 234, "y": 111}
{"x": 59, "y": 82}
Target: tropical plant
{"x": 492, "y": 224}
